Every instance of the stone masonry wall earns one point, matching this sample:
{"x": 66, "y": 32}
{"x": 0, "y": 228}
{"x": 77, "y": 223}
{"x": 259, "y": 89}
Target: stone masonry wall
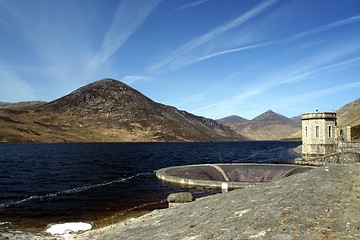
{"x": 339, "y": 157}
{"x": 349, "y": 146}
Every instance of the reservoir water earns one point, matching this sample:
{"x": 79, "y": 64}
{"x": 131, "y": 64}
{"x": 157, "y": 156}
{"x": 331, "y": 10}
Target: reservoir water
{"x": 43, "y": 184}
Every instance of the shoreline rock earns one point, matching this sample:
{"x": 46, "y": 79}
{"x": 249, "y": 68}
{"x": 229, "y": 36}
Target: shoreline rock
{"x": 176, "y": 199}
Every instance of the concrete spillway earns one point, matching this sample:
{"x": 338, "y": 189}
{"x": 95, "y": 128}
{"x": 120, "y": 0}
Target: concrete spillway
{"x": 236, "y": 175}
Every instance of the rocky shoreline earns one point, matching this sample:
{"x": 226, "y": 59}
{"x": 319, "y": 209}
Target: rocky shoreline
{"x": 323, "y": 203}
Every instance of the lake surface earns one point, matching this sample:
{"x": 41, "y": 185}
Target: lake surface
{"x": 43, "y": 184}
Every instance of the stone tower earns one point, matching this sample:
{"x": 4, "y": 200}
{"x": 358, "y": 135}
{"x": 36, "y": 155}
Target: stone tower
{"x": 318, "y": 134}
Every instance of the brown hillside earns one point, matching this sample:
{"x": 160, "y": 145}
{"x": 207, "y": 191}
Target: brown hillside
{"x": 267, "y": 126}
{"x": 108, "y": 111}
{"x": 232, "y": 119}
{"x": 349, "y": 114}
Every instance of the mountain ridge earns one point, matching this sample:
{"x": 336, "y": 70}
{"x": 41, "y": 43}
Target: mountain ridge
{"x": 266, "y": 126}
{"x": 108, "y": 111}
{"x": 270, "y": 116}
{"x": 347, "y": 115}
{"x": 233, "y": 119}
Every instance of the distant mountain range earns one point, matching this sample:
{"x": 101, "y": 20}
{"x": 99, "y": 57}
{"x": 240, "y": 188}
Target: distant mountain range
{"x": 273, "y": 126}
{"x": 267, "y": 126}
{"x": 106, "y": 111}
{"x": 111, "y": 111}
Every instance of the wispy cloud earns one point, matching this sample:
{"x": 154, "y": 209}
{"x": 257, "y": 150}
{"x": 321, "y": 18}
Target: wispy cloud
{"x": 198, "y": 41}
{"x": 317, "y": 65}
{"x": 190, "y": 5}
{"x": 49, "y": 36}
{"x": 332, "y": 90}
{"x": 277, "y": 79}
{"x": 330, "y": 26}
{"x": 247, "y": 47}
{"x": 230, "y": 103}
{"x": 132, "y": 79}
{"x": 311, "y": 72}
{"x": 297, "y": 103}
{"x": 310, "y": 96}
{"x": 129, "y": 15}
{"x": 13, "y": 87}
{"x": 60, "y": 31}
{"x": 327, "y": 27}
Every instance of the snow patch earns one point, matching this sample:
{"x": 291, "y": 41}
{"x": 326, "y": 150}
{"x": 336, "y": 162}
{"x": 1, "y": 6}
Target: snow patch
{"x": 67, "y": 228}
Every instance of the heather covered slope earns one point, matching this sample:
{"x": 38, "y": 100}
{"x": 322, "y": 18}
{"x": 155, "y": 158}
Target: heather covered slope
{"x": 108, "y": 111}
{"x": 233, "y": 120}
{"x": 350, "y": 115}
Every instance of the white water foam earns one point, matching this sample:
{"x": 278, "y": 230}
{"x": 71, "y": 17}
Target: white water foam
{"x": 68, "y": 191}
{"x": 67, "y": 228}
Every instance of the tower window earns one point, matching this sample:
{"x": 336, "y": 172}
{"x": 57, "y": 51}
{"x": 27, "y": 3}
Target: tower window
{"x": 330, "y": 133}
{"x": 317, "y": 133}
{"x": 305, "y": 131}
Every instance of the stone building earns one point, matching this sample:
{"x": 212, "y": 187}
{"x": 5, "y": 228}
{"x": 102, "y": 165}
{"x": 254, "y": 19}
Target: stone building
{"x": 324, "y": 142}
{"x": 319, "y": 136}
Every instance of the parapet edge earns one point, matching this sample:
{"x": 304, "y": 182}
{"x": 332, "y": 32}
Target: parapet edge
{"x": 321, "y": 115}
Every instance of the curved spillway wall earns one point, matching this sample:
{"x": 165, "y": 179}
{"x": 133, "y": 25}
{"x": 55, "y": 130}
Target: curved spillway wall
{"x": 236, "y": 175}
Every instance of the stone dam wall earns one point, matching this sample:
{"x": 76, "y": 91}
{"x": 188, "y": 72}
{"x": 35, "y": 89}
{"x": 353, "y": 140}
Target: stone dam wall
{"x": 338, "y": 157}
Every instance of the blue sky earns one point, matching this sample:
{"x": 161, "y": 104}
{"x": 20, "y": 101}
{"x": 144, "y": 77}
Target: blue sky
{"x": 213, "y": 58}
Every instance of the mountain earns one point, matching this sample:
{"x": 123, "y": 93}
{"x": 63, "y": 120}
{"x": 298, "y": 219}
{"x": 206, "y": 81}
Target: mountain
{"x": 270, "y": 116}
{"x": 297, "y": 119}
{"x": 349, "y": 114}
{"x": 232, "y": 119}
{"x": 108, "y": 111}
{"x": 267, "y": 126}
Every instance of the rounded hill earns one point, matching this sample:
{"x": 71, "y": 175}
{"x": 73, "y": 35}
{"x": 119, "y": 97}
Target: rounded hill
{"x": 111, "y": 111}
